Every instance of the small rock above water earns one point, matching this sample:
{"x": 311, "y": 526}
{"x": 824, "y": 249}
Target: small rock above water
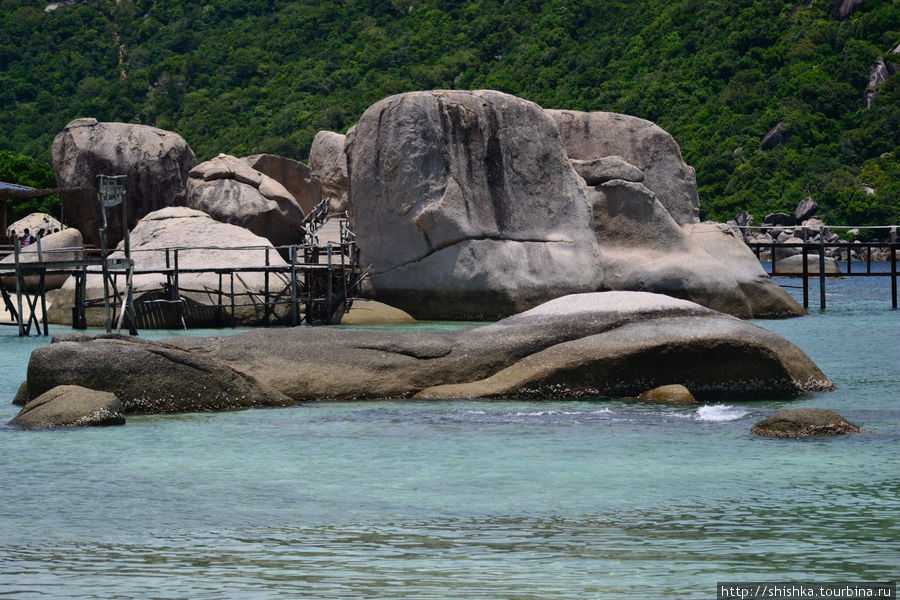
{"x": 669, "y": 394}
{"x": 70, "y": 406}
{"x": 804, "y": 422}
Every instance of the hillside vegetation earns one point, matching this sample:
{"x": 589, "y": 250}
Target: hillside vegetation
{"x": 248, "y": 76}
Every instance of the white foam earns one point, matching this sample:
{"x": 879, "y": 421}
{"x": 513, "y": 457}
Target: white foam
{"x": 719, "y": 413}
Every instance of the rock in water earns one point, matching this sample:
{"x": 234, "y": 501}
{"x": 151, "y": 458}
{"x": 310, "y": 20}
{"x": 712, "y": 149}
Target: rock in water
{"x": 804, "y": 422}
{"x": 465, "y": 205}
{"x": 63, "y": 245}
{"x": 669, "y": 394}
{"x": 156, "y": 163}
{"x": 70, "y": 406}
{"x": 147, "y": 377}
{"x": 600, "y": 344}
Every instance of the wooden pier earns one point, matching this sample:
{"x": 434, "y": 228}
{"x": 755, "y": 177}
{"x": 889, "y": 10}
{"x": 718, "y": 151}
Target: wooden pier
{"x": 315, "y": 285}
{"x": 817, "y": 251}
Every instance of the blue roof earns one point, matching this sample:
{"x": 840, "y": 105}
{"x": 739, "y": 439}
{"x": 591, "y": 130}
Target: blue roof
{"x": 13, "y": 186}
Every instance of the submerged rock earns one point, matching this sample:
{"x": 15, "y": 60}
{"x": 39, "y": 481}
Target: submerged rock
{"x": 70, "y": 406}
{"x": 804, "y": 422}
{"x": 669, "y": 394}
{"x": 611, "y": 343}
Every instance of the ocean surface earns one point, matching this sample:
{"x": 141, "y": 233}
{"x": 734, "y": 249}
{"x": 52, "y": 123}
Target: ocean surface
{"x": 603, "y": 498}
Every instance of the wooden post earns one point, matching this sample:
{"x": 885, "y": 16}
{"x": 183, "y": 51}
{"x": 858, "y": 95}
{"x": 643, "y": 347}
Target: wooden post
{"x": 43, "y": 293}
{"x": 294, "y": 307}
{"x": 805, "y": 277}
{"x": 822, "y": 268}
{"x": 894, "y": 275}
{"x": 328, "y": 287}
{"x": 266, "y": 291}
{"x": 19, "y": 286}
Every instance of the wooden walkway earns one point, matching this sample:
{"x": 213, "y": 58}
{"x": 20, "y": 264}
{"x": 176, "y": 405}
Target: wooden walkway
{"x": 816, "y": 252}
{"x": 315, "y": 285}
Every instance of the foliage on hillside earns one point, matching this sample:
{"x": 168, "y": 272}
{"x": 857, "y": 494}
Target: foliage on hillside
{"x": 247, "y": 76}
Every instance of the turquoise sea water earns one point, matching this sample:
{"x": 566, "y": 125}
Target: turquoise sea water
{"x": 525, "y": 500}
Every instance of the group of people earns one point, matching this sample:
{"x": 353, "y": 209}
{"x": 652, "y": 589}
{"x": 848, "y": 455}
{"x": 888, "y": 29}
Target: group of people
{"x": 27, "y": 238}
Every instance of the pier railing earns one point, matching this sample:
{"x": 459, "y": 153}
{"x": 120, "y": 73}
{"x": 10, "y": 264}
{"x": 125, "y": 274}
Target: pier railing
{"x": 818, "y": 252}
{"x": 300, "y": 283}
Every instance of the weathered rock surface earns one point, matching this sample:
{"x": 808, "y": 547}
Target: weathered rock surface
{"x": 588, "y": 136}
{"x": 607, "y": 168}
{"x": 804, "y": 422}
{"x": 60, "y": 246}
{"x": 296, "y": 177}
{"x": 668, "y": 394}
{"x": 805, "y": 209}
{"x": 793, "y": 265}
{"x": 147, "y": 377}
{"x": 328, "y": 164}
{"x": 615, "y": 343}
{"x": 176, "y": 227}
{"x": 230, "y": 191}
{"x": 156, "y": 163}
{"x": 841, "y": 9}
{"x": 465, "y": 205}
{"x": 368, "y": 312}
{"x": 774, "y": 137}
{"x": 70, "y": 406}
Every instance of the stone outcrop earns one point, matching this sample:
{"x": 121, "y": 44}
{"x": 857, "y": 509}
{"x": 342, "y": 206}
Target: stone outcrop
{"x": 878, "y": 74}
{"x": 613, "y": 344}
{"x": 156, "y": 163}
{"x": 469, "y": 205}
{"x": 588, "y": 136}
{"x": 176, "y": 227}
{"x": 804, "y": 422}
{"x": 668, "y": 394}
{"x": 147, "y": 377}
{"x": 805, "y": 209}
{"x": 328, "y": 164}
{"x": 70, "y": 406}
{"x": 230, "y": 191}
{"x": 841, "y": 9}
{"x": 774, "y": 137}
{"x": 60, "y": 246}
{"x": 34, "y": 223}
{"x": 296, "y": 177}
{"x": 465, "y": 205}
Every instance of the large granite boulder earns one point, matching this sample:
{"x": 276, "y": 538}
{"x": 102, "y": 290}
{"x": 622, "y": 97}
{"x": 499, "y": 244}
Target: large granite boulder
{"x": 35, "y": 223}
{"x": 60, "y": 246}
{"x": 70, "y": 406}
{"x": 156, "y": 163}
{"x": 328, "y": 164}
{"x": 606, "y": 344}
{"x": 147, "y": 377}
{"x": 296, "y": 177}
{"x": 178, "y": 227}
{"x": 230, "y": 191}
{"x": 644, "y": 145}
{"x": 469, "y": 205}
{"x": 465, "y": 206}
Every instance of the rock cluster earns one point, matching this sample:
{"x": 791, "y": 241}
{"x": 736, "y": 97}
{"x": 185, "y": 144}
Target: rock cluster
{"x": 610, "y": 344}
{"x": 804, "y": 422}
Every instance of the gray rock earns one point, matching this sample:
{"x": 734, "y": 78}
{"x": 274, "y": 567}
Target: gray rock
{"x": 70, "y": 406}
{"x": 607, "y": 168}
{"x": 60, "y": 246}
{"x": 328, "y": 164}
{"x": 296, "y": 177}
{"x": 743, "y": 219}
{"x": 177, "y": 227}
{"x": 878, "y": 74}
{"x": 793, "y": 265}
{"x": 668, "y": 394}
{"x": 844, "y": 8}
{"x": 804, "y": 422}
{"x": 805, "y": 209}
{"x": 782, "y": 252}
{"x": 156, "y": 163}
{"x": 230, "y": 191}
{"x": 465, "y": 206}
{"x": 34, "y": 223}
{"x": 588, "y": 136}
{"x": 778, "y": 219}
{"x": 617, "y": 343}
{"x": 774, "y": 137}
{"x": 147, "y": 377}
